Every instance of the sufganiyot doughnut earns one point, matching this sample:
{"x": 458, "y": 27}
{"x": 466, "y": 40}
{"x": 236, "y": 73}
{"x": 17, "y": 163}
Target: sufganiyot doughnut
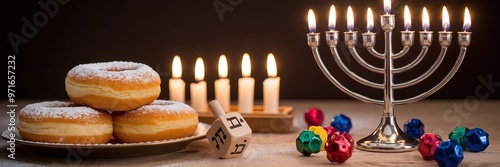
{"x": 64, "y": 122}
{"x": 113, "y": 86}
{"x": 160, "y": 120}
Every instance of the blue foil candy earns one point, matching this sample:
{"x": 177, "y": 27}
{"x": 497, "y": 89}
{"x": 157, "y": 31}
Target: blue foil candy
{"x": 476, "y": 140}
{"x": 341, "y": 123}
{"x": 414, "y": 128}
{"x": 448, "y": 154}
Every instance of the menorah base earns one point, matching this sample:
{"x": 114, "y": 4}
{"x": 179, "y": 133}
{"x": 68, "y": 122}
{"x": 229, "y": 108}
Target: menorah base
{"x": 388, "y": 137}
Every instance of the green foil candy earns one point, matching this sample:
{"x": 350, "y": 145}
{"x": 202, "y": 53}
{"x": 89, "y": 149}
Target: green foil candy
{"x": 457, "y": 136}
{"x": 308, "y": 143}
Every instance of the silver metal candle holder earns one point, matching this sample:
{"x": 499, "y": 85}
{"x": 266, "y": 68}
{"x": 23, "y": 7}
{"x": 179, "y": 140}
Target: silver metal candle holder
{"x": 388, "y": 137}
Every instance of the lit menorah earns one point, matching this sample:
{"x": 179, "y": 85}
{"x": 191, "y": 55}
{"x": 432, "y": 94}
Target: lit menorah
{"x": 388, "y": 137}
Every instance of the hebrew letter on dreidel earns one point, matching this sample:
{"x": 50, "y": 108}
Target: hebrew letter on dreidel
{"x": 232, "y": 119}
{"x": 220, "y": 139}
{"x": 237, "y": 149}
{"x": 229, "y": 134}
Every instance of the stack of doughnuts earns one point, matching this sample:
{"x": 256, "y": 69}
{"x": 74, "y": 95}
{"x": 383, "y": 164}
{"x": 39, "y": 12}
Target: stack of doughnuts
{"x": 117, "y": 99}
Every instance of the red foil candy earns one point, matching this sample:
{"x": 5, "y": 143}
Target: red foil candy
{"x": 330, "y": 130}
{"x": 339, "y": 147}
{"x": 428, "y": 144}
{"x": 314, "y": 117}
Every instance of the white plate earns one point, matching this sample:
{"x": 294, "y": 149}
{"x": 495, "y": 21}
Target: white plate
{"x": 111, "y": 150}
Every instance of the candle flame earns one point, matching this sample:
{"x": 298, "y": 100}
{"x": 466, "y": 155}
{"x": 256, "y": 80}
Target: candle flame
{"x": 271, "y": 66}
{"x": 467, "y": 20}
{"x": 199, "y": 70}
{"x": 223, "y": 66}
{"x": 246, "y": 70}
{"x": 425, "y": 20}
{"x": 369, "y": 22}
{"x": 350, "y": 19}
{"x": 387, "y": 6}
{"x": 446, "y": 19}
{"x": 311, "y": 19}
{"x": 407, "y": 18}
{"x": 176, "y": 67}
{"x": 332, "y": 19}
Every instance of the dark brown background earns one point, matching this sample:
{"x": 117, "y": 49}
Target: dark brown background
{"x": 152, "y": 32}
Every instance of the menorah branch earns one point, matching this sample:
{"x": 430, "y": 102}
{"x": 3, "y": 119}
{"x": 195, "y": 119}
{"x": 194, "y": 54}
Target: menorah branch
{"x": 443, "y": 82}
{"x": 426, "y": 74}
{"x": 351, "y": 74}
{"x": 414, "y": 63}
{"x": 313, "y": 42}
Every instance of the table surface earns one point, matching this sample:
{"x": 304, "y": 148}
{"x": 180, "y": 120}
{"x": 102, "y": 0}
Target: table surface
{"x": 439, "y": 116}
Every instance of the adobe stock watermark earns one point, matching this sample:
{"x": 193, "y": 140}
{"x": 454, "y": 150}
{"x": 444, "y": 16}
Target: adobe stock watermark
{"x": 455, "y": 115}
{"x": 11, "y": 106}
{"x": 39, "y": 19}
{"x": 222, "y": 7}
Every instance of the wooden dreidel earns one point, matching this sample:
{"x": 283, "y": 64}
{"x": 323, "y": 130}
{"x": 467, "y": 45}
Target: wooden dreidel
{"x": 229, "y": 134}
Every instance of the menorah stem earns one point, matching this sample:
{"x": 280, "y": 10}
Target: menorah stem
{"x": 388, "y": 76}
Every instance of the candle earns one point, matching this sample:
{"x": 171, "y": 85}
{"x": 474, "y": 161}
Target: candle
{"x": 222, "y": 86}
{"x": 407, "y": 18}
{"x": 350, "y": 19}
{"x": 369, "y": 20}
{"x": 332, "y": 19}
{"x": 245, "y": 86}
{"x": 271, "y": 86}
{"x": 311, "y": 20}
{"x": 446, "y": 19}
{"x": 425, "y": 20}
{"x": 467, "y": 20}
{"x": 387, "y": 6}
{"x": 199, "y": 88}
{"x": 176, "y": 85}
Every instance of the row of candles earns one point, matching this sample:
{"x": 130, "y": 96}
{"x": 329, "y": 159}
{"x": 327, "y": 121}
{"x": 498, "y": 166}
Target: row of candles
{"x": 387, "y": 10}
{"x": 222, "y": 86}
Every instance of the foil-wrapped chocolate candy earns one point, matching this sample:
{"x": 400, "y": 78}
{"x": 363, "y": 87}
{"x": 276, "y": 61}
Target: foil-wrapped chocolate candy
{"x": 448, "y": 153}
{"x": 330, "y": 130}
{"x": 314, "y": 117}
{"x": 339, "y": 147}
{"x": 308, "y": 143}
{"x": 321, "y": 132}
{"x": 341, "y": 123}
{"x": 457, "y": 135}
{"x": 414, "y": 128}
{"x": 428, "y": 144}
{"x": 476, "y": 140}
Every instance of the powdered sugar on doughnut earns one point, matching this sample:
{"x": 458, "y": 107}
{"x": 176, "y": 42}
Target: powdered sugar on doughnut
{"x": 116, "y": 70}
{"x": 57, "y": 109}
{"x": 165, "y": 106}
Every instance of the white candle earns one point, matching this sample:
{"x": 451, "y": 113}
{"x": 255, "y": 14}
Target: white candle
{"x": 199, "y": 88}
{"x": 222, "y": 86}
{"x": 177, "y": 86}
{"x": 271, "y": 86}
{"x": 245, "y": 86}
